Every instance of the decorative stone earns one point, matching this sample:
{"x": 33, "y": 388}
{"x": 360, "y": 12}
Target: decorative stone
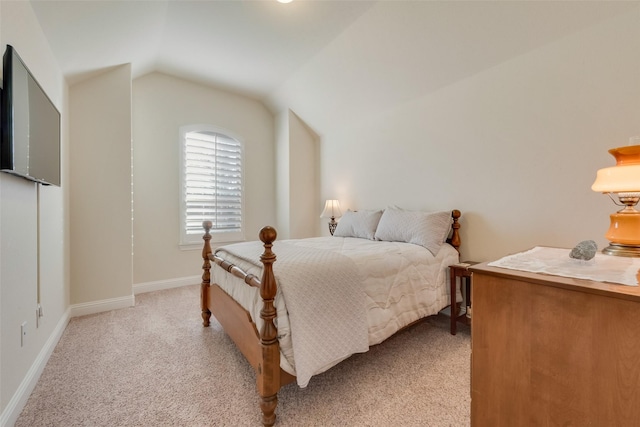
{"x": 584, "y": 250}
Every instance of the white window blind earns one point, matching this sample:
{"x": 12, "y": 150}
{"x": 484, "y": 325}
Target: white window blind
{"x": 212, "y": 187}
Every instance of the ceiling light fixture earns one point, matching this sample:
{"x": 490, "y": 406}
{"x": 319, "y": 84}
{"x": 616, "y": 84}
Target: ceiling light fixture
{"x": 285, "y": 1}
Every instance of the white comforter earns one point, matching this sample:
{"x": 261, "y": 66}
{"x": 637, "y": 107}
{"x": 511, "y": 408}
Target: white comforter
{"x": 402, "y": 283}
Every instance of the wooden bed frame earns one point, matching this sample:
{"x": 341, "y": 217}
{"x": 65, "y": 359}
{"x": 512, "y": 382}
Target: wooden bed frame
{"x": 261, "y": 349}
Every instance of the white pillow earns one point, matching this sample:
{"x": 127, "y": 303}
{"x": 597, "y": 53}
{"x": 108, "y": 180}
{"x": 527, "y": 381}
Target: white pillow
{"x": 427, "y": 229}
{"x": 361, "y": 224}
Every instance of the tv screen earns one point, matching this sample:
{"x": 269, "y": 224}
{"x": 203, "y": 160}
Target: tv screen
{"x": 30, "y": 142}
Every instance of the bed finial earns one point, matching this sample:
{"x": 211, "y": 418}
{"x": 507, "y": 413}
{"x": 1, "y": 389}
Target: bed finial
{"x": 268, "y": 235}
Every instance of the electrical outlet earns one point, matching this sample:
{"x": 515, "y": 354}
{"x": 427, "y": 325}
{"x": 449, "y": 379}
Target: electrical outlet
{"x": 23, "y": 334}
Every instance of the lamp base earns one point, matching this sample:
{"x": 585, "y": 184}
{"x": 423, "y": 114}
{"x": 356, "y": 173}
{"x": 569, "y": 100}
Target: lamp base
{"x": 622, "y": 250}
{"x": 624, "y": 233}
{"x": 332, "y": 225}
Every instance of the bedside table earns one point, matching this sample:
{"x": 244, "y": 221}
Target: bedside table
{"x": 460, "y": 270}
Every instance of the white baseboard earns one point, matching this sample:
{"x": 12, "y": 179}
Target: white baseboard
{"x": 16, "y": 404}
{"x": 166, "y": 284}
{"x": 104, "y": 305}
{"x": 129, "y": 301}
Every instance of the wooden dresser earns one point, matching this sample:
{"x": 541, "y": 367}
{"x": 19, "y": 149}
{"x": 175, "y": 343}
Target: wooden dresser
{"x": 553, "y": 351}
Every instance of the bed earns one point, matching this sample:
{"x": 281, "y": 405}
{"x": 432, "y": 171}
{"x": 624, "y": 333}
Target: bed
{"x": 327, "y": 297}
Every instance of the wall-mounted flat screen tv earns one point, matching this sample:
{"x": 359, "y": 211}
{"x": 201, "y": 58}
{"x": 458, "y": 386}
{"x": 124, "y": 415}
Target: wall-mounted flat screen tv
{"x": 30, "y": 134}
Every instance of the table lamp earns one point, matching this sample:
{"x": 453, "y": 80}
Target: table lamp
{"x": 331, "y": 210}
{"x": 622, "y": 182}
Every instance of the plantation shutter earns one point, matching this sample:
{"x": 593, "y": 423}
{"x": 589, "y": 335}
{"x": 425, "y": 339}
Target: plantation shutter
{"x": 213, "y": 183}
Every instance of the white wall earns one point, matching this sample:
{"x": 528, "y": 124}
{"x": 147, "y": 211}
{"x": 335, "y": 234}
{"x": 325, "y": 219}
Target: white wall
{"x": 20, "y": 205}
{"x": 101, "y": 224}
{"x": 297, "y": 182}
{"x": 161, "y": 104}
{"x": 305, "y": 206}
{"x": 283, "y": 174}
{"x": 509, "y": 133}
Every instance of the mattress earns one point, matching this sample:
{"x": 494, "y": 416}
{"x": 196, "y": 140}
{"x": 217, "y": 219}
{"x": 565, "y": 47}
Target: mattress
{"x": 402, "y": 282}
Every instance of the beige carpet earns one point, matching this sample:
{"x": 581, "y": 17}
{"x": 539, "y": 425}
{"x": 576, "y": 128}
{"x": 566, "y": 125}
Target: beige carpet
{"x": 155, "y": 365}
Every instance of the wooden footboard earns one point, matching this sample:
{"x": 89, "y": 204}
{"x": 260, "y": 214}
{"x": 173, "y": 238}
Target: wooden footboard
{"x": 261, "y": 349}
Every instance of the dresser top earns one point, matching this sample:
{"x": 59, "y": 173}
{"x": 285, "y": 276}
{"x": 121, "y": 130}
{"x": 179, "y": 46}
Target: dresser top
{"x": 578, "y": 285}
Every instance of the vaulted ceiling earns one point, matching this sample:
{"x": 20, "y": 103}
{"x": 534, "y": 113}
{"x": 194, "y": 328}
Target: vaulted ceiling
{"x": 346, "y": 55}
{"x": 247, "y": 46}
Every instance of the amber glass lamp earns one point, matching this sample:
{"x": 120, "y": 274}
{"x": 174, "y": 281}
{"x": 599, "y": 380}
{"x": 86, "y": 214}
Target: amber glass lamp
{"x": 622, "y": 183}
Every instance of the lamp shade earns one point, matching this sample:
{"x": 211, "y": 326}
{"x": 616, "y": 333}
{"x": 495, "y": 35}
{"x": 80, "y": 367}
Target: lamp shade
{"x": 618, "y": 179}
{"x": 624, "y": 176}
{"x": 331, "y": 209}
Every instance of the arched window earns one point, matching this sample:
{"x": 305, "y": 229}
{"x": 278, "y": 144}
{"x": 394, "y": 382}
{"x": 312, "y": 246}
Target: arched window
{"x": 211, "y": 184}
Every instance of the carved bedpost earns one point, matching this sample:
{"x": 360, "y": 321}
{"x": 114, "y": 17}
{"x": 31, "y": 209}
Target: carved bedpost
{"x": 206, "y": 273}
{"x": 268, "y": 375}
{"x": 455, "y": 235}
